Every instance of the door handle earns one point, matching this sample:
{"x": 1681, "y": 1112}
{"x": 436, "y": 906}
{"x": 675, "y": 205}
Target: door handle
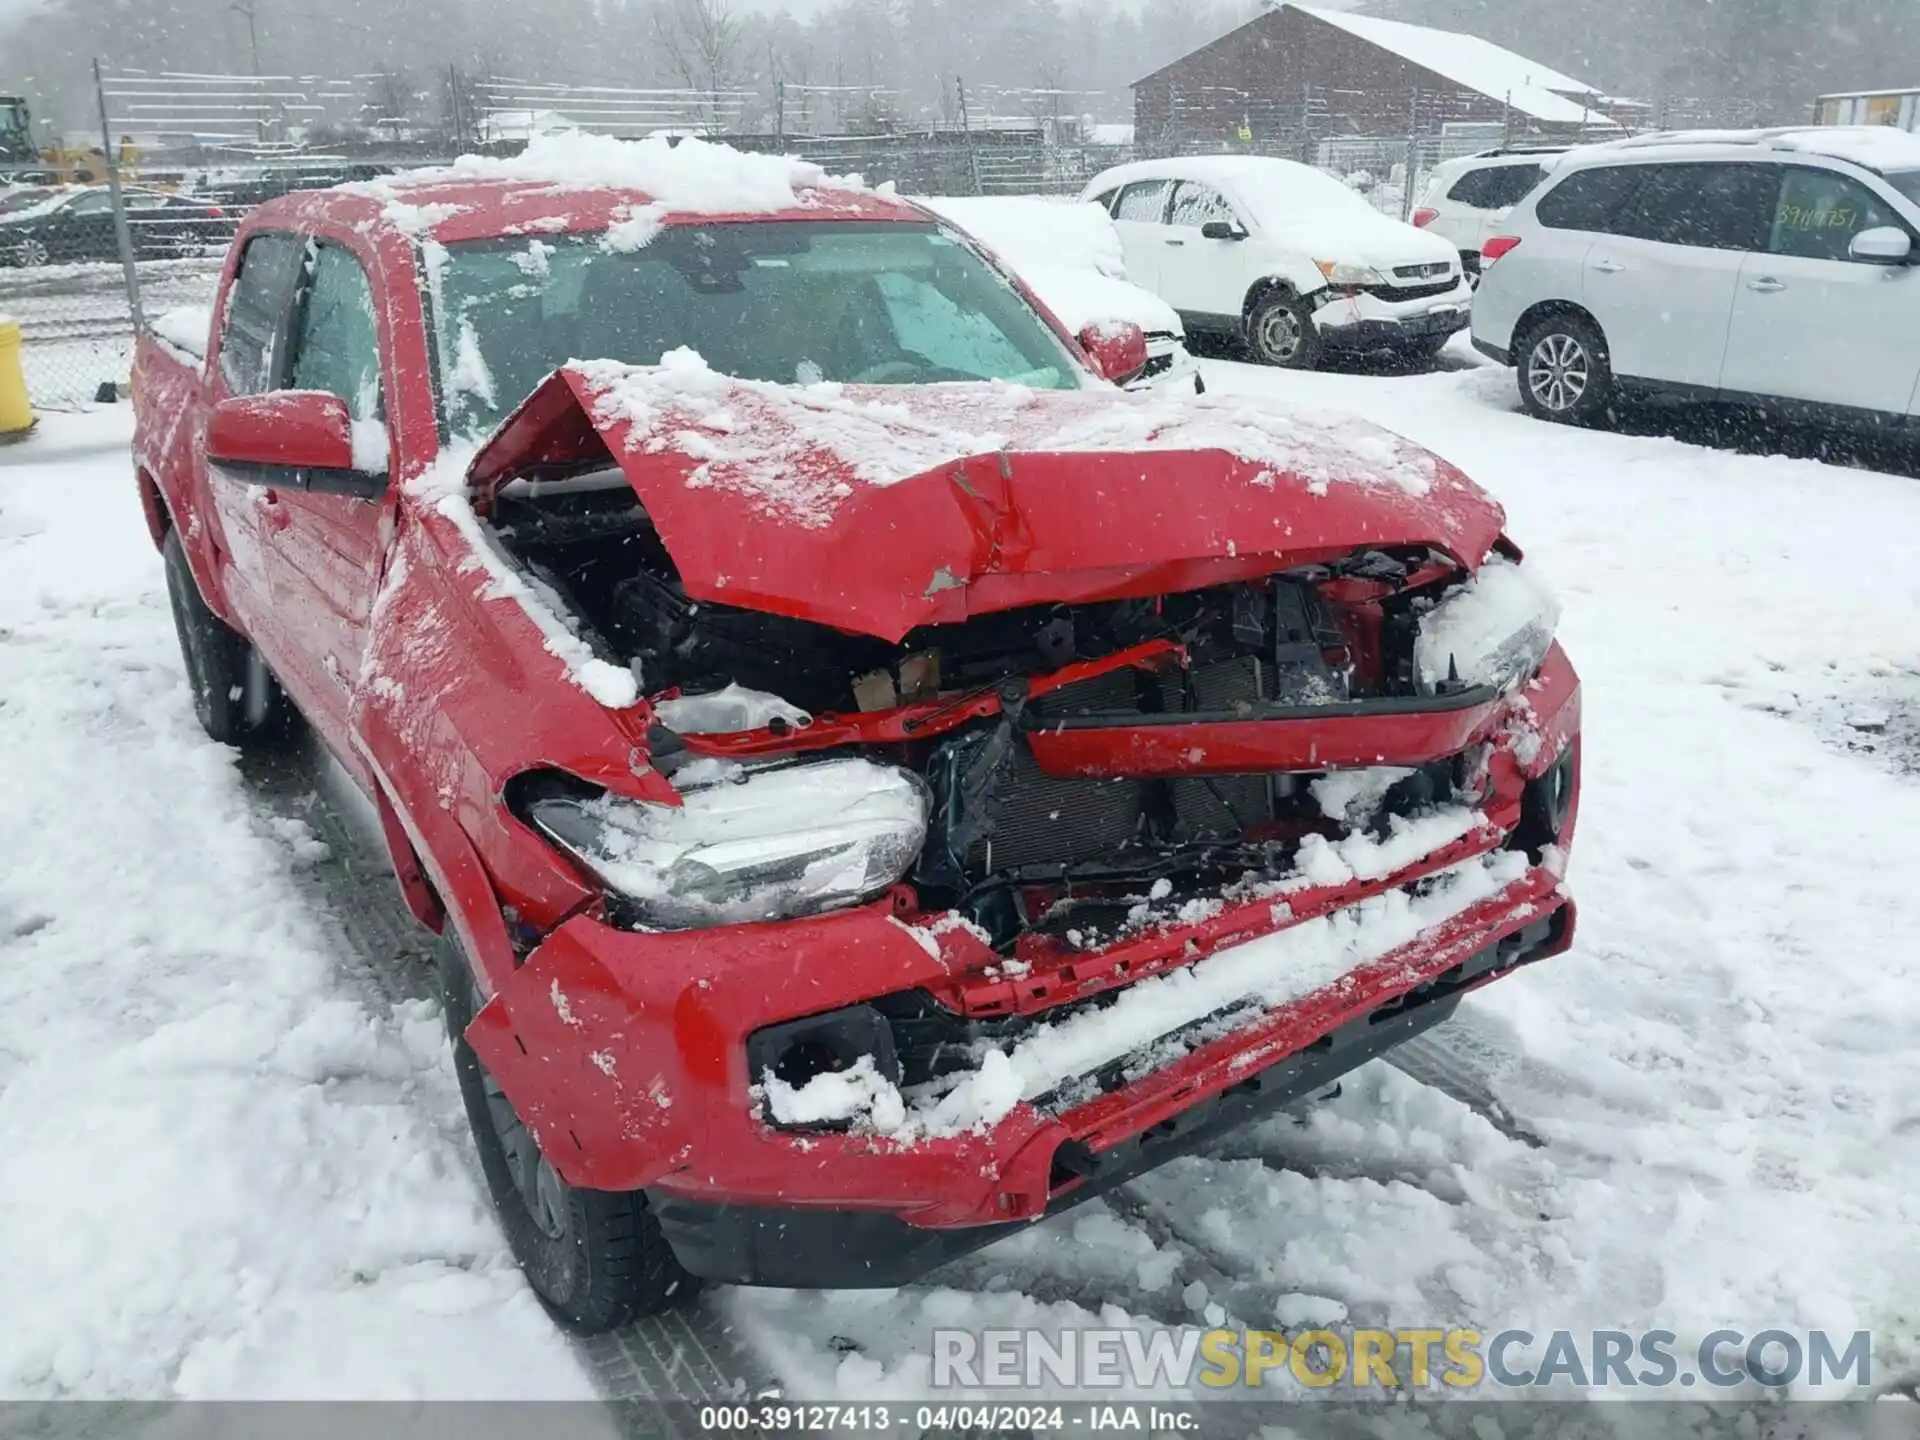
{"x": 1608, "y": 267}
{"x": 1176, "y": 242}
{"x": 1766, "y": 285}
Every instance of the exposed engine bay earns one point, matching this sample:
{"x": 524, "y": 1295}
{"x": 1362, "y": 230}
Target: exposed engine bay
{"x": 1016, "y": 850}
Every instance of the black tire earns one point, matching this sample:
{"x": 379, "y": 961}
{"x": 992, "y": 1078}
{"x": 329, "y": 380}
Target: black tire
{"x": 1564, "y": 370}
{"x": 595, "y": 1258}
{"x": 1280, "y": 332}
{"x": 234, "y": 697}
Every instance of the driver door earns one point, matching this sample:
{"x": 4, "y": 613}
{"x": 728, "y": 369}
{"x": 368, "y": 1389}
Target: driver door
{"x": 1198, "y": 276}
{"x": 329, "y": 554}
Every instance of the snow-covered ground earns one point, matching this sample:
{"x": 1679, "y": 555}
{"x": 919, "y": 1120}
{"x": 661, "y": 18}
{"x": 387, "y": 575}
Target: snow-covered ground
{"x": 225, "y": 1169}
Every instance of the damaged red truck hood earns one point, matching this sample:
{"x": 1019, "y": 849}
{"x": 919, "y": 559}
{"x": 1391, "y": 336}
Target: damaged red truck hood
{"x": 876, "y": 509}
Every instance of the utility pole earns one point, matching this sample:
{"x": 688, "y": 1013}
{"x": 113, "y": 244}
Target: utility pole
{"x": 966, "y": 126}
{"x": 123, "y": 238}
{"x": 245, "y": 7}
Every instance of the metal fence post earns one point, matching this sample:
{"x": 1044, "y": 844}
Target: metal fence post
{"x": 1413, "y": 155}
{"x": 966, "y": 126}
{"x": 123, "y": 237}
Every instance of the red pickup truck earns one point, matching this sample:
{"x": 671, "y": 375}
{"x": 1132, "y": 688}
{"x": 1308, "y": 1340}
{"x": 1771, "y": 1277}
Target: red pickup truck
{"x": 887, "y": 783}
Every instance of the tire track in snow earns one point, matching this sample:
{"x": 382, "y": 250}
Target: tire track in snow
{"x": 390, "y": 960}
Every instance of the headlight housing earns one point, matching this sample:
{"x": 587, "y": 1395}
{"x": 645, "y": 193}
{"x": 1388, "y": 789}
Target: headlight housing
{"x": 746, "y": 844}
{"x": 1345, "y": 272}
{"x": 1494, "y": 630}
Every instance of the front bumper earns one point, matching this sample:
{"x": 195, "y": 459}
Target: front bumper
{"x": 627, "y": 1053}
{"x": 1368, "y": 322}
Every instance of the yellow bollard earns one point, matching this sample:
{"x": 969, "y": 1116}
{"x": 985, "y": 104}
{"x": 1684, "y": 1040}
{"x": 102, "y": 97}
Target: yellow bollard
{"x": 16, "y": 414}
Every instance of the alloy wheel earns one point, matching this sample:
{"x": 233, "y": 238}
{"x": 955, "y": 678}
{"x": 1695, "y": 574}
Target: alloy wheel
{"x": 1558, "y": 371}
{"x": 534, "y": 1179}
{"x": 33, "y": 252}
{"x": 1279, "y": 334}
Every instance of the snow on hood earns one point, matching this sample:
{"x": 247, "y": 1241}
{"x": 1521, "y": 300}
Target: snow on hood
{"x": 880, "y": 508}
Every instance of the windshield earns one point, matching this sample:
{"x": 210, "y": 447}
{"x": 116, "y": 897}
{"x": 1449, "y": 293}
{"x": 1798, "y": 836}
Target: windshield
{"x": 1907, "y": 182}
{"x": 793, "y": 302}
{"x": 23, "y": 200}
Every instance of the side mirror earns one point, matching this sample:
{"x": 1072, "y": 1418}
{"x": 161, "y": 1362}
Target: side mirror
{"x": 1221, "y": 230}
{"x": 1118, "y": 349}
{"x": 300, "y": 439}
{"x": 1882, "y": 245}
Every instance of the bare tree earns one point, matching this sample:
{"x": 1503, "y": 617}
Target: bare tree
{"x": 390, "y": 104}
{"x": 700, "y": 40}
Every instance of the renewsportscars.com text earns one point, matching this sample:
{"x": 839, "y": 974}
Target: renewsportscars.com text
{"x": 1394, "y": 1359}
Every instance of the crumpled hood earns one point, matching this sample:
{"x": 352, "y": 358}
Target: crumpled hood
{"x": 876, "y": 509}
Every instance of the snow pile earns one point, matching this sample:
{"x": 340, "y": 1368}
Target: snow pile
{"x": 798, "y": 449}
{"x": 1068, "y": 253}
{"x": 1235, "y": 986}
{"x": 688, "y": 175}
{"x": 186, "y": 328}
{"x": 857, "y": 1093}
{"x": 1491, "y": 631}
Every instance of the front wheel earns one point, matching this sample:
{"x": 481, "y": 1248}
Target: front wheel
{"x": 1564, "y": 370}
{"x": 1281, "y": 332}
{"x": 596, "y": 1258}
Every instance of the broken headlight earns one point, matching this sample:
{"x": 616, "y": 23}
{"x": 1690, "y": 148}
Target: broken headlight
{"x": 1494, "y": 630}
{"x": 746, "y": 844}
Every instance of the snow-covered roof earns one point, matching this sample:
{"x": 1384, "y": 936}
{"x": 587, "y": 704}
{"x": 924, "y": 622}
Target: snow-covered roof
{"x": 1480, "y": 65}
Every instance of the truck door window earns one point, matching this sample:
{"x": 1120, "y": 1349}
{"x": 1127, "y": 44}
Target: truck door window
{"x": 256, "y": 312}
{"x": 336, "y": 345}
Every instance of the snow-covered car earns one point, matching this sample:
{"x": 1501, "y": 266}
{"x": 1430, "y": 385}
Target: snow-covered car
{"x": 1772, "y": 267}
{"x": 1069, "y": 252}
{"x": 881, "y": 782}
{"x": 1467, "y": 199}
{"x": 1282, "y": 256}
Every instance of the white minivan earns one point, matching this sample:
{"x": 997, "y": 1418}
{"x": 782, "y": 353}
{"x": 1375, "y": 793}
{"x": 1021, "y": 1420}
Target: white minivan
{"x": 1283, "y": 256}
{"x": 1770, "y": 267}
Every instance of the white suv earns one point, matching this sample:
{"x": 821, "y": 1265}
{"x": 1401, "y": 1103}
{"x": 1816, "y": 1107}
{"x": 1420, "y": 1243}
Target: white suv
{"x": 1775, "y": 267}
{"x": 1467, "y": 199}
{"x": 1282, "y": 256}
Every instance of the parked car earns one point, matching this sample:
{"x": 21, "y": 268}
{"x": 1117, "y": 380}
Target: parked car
{"x": 1281, "y": 256}
{"x": 1467, "y": 199}
{"x": 1070, "y": 254}
{"x": 881, "y": 783}
{"x": 1771, "y": 267}
{"x": 73, "y": 224}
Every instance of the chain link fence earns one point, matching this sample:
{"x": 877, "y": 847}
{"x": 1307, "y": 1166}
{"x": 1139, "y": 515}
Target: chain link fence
{"x": 62, "y": 278}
